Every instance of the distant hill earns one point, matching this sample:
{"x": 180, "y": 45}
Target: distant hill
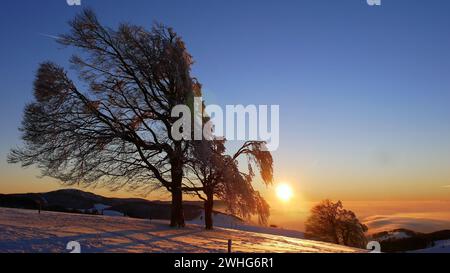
{"x": 403, "y": 240}
{"x": 77, "y": 201}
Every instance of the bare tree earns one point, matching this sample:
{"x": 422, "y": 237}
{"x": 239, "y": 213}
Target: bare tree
{"x": 215, "y": 174}
{"x": 117, "y": 132}
{"x": 330, "y": 222}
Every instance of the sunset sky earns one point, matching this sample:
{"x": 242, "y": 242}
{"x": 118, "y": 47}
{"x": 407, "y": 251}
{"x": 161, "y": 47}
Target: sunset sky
{"x": 364, "y": 92}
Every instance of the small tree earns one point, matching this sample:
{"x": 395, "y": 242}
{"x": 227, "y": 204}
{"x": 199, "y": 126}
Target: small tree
{"x": 240, "y": 196}
{"x": 330, "y": 222}
{"x": 216, "y": 174}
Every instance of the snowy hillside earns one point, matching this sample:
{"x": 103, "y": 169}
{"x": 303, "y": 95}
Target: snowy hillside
{"x": 28, "y": 231}
{"x": 396, "y": 234}
{"x": 442, "y": 246}
{"x": 229, "y": 221}
{"x": 405, "y": 240}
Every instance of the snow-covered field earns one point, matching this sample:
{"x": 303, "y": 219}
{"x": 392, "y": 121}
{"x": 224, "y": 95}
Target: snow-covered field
{"x": 28, "y": 231}
{"x": 227, "y": 221}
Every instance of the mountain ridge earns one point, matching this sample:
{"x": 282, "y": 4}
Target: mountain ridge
{"x": 78, "y": 201}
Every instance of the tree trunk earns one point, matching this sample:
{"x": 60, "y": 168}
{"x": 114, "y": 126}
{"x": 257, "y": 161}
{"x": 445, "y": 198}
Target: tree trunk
{"x": 336, "y": 237}
{"x": 209, "y": 203}
{"x": 177, "y": 214}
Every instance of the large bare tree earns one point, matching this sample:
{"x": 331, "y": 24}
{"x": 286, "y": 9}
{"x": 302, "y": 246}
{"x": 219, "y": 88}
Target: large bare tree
{"x": 113, "y": 127}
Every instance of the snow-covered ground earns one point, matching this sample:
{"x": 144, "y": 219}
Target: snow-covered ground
{"x": 439, "y": 247}
{"x": 231, "y": 222}
{"x": 28, "y": 231}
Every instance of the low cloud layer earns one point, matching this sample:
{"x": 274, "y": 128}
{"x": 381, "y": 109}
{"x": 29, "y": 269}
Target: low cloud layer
{"x": 421, "y": 222}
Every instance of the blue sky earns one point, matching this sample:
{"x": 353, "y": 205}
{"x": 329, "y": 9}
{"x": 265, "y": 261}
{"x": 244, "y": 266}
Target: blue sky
{"x": 364, "y": 91}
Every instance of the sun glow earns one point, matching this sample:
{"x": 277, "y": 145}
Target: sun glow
{"x": 284, "y": 192}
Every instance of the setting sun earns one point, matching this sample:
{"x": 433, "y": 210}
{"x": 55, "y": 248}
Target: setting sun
{"x": 284, "y": 192}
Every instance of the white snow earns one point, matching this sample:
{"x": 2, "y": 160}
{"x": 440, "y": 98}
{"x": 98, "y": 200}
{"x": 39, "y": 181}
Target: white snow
{"x": 28, "y": 231}
{"x": 393, "y": 235}
{"x": 104, "y": 209}
{"x": 100, "y": 207}
{"x": 229, "y": 221}
{"x": 114, "y": 213}
{"x": 439, "y": 247}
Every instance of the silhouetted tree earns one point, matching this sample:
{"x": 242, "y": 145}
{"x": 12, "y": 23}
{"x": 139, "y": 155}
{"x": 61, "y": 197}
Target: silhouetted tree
{"x": 330, "y": 222}
{"x": 352, "y": 231}
{"x": 117, "y": 131}
{"x": 216, "y": 174}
